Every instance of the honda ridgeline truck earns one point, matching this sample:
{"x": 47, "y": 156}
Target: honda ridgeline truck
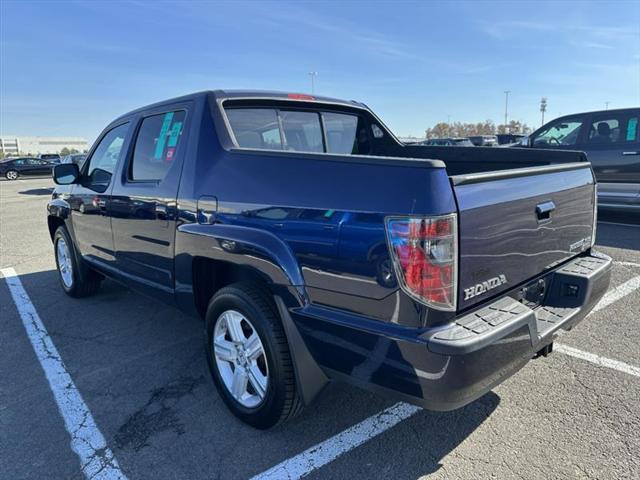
{"x": 318, "y": 247}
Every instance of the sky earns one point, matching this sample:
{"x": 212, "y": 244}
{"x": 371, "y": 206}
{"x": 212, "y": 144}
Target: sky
{"x": 69, "y": 68}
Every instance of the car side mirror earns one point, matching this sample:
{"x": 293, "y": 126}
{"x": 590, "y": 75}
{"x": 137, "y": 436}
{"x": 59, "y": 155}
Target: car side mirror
{"x": 66, "y": 174}
{"x": 525, "y": 141}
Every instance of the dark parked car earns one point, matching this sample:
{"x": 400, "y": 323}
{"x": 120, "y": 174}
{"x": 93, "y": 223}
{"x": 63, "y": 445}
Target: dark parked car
{"x": 317, "y": 247}
{"x": 611, "y": 140}
{"x": 14, "y": 168}
{"x": 448, "y": 142}
{"x": 509, "y": 138}
{"x": 51, "y": 157}
{"x": 484, "y": 140}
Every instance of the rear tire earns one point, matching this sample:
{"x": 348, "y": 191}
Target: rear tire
{"x": 235, "y": 314}
{"x": 12, "y": 175}
{"x": 73, "y": 283}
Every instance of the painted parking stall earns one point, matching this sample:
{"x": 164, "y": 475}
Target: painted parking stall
{"x": 97, "y": 461}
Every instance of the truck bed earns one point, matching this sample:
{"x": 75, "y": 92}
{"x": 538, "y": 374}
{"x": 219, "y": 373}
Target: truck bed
{"x": 463, "y": 160}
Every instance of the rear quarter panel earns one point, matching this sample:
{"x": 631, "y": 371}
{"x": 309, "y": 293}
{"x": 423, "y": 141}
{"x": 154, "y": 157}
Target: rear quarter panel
{"x": 313, "y": 195}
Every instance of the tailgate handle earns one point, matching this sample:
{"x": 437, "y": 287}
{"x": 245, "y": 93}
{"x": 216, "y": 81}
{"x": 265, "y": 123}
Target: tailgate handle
{"x": 543, "y": 210}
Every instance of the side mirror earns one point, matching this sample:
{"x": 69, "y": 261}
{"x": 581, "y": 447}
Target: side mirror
{"x": 66, "y": 174}
{"x": 525, "y": 141}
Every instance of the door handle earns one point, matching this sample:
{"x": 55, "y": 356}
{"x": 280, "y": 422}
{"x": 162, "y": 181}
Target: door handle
{"x": 328, "y": 227}
{"x": 630, "y": 153}
{"x": 543, "y": 210}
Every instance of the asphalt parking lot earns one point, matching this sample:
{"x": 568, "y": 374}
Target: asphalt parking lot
{"x": 141, "y": 372}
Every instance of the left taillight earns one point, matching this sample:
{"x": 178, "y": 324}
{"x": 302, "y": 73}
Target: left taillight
{"x": 424, "y": 251}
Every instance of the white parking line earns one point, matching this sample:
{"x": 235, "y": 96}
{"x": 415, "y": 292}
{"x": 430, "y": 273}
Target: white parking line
{"x": 628, "y": 264}
{"x": 325, "y": 452}
{"x": 597, "y": 359}
{"x": 617, "y": 293}
{"x": 96, "y": 459}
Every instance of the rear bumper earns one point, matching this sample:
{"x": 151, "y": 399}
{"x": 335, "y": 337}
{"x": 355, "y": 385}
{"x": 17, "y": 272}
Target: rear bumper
{"x": 619, "y": 196}
{"x": 448, "y": 367}
{"x": 573, "y": 291}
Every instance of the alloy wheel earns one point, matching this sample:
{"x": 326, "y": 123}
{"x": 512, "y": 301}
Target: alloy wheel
{"x": 63, "y": 258}
{"x": 240, "y": 358}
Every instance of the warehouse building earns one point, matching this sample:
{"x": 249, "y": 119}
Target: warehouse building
{"x": 12, "y": 146}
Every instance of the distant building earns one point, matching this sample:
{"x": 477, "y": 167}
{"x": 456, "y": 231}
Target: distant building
{"x": 11, "y": 146}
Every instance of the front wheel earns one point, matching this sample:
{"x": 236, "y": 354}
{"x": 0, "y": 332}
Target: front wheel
{"x": 249, "y": 357}
{"x": 11, "y": 175}
{"x": 73, "y": 283}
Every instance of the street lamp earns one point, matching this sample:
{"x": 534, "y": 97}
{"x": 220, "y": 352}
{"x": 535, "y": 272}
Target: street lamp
{"x": 313, "y": 75}
{"x": 543, "y": 107}
{"x": 506, "y": 109}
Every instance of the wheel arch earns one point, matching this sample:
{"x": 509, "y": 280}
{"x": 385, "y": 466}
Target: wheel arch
{"x": 209, "y": 257}
{"x": 58, "y": 215}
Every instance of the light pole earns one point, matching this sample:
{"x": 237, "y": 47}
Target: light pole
{"x": 313, "y": 76}
{"x": 606, "y": 105}
{"x": 506, "y": 109}
{"x": 543, "y": 107}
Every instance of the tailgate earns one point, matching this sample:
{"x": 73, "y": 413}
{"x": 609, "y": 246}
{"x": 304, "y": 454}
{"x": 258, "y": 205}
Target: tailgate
{"x": 515, "y": 224}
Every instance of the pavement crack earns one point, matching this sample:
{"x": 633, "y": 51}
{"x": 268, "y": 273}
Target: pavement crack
{"x": 159, "y": 414}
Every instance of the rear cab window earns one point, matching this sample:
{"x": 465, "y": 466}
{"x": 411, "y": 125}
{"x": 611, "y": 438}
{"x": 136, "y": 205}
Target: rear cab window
{"x": 299, "y": 130}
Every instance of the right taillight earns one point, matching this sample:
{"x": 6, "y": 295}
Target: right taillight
{"x": 424, "y": 251}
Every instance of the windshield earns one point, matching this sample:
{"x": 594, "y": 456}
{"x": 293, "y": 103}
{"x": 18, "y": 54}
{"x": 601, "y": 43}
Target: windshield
{"x": 560, "y": 133}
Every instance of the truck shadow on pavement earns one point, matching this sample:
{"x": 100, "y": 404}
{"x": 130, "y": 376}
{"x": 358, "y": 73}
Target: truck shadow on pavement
{"x": 618, "y": 235}
{"x": 37, "y": 191}
{"x": 141, "y": 369}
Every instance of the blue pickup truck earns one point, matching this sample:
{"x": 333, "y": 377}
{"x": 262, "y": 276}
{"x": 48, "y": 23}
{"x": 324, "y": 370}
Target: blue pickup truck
{"x": 317, "y": 247}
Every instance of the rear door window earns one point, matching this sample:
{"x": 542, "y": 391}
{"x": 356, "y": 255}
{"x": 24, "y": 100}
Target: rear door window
{"x": 605, "y": 130}
{"x": 632, "y": 132}
{"x": 613, "y": 128}
{"x": 156, "y": 146}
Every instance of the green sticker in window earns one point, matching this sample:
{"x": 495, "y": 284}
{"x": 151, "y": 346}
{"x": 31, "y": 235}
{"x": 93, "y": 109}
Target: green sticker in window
{"x": 162, "y": 136}
{"x": 632, "y": 128}
{"x": 329, "y": 213}
{"x": 174, "y": 134}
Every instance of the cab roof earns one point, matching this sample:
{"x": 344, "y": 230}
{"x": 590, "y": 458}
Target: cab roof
{"x": 245, "y": 94}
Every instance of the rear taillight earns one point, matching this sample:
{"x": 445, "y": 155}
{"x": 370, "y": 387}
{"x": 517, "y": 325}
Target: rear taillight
{"x": 424, "y": 252}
